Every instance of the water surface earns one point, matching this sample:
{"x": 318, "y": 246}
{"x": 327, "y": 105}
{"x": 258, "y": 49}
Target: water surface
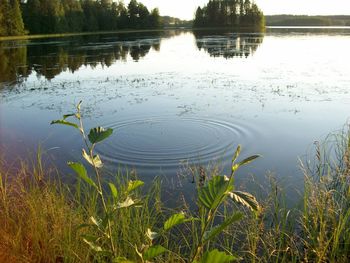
{"x": 179, "y": 98}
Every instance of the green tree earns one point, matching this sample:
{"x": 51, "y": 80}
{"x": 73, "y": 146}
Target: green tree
{"x": 74, "y": 15}
{"x": 4, "y": 8}
{"x": 133, "y": 13}
{"x": 143, "y": 17}
{"x": 11, "y": 21}
{"x": 199, "y": 18}
{"x": 16, "y": 24}
{"x": 90, "y": 15}
{"x": 32, "y": 16}
{"x": 234, "y": 13}
{"x": 53, "y": 19}
{"x": 122, "y": 15}
{"x": 155, "y": 20}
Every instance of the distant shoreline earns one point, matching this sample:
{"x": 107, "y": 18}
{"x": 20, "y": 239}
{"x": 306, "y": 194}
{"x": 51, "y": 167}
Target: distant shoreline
{"x": 5, "y": 38}
{"x": 25, "y": 37}
{"x": 311, "y": 27}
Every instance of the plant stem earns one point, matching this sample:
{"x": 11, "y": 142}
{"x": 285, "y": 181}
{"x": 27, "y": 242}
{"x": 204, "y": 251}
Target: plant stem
{"x": 98, "y": 177}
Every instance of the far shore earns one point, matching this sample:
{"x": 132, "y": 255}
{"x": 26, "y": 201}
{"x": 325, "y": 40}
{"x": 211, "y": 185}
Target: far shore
{"x": 23, "y": 37}
{"x": 89, "y": 33}
{"x": 126, "y": 31}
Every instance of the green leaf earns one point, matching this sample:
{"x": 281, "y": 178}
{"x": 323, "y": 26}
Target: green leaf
{"x": 245, "y": 199}
{"x": 212, "y": 233}
{"x": 151, "y": 235}
{"x": 236, "y": 154}
{"x": 99, "y": 134}
{"x": 82, "y": 173}
{"x": 133, "y": 185}
{"x": 215, "y": 191}
{"x": 248, "y": 160}
{"x": 154, "y": 251}
{"x": 175, "y": 220}
{"x": 79, "y": 105}
{"x": 95, "y": 162}
{"x": 113, "y": 190}
{"x": 68, "y": 115}
{"x": 216, "y": 256}
{"x": 63, "y": 122}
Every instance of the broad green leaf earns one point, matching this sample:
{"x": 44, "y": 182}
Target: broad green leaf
{"x": 127, "y": 203}
{"x": 63, "y": 122}
{"x": 216, "y": 256}
{"x": 82, "y": 173}
{"x": 212, "y": 233}
{"x": 133, "y": 185}
{"x": 93, "y": 246}
{"x": 113, "y": 190}
{"x": 151, "y": 235}
{"x": 95, "y": 162}
{"x": 154, "y": 251}
{"x": 245, "y": 199}
{"x": 215, "y": 191}
{"x": 99, "y": 134}
{"x": 174, "y": 220}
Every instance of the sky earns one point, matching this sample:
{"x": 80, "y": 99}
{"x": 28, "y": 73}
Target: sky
{"x": 185, "y": 9}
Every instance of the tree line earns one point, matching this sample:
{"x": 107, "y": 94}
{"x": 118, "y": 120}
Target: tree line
{"x": 303, "y": 20}
{"x": 229, "y": 13}
{"x": 60, "y": 16}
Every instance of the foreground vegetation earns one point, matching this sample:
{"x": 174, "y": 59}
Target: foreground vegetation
{"x": 100, "y": 220}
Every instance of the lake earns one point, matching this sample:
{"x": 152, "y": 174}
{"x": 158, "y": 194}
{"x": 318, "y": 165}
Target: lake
{"x": 179, "y": 98}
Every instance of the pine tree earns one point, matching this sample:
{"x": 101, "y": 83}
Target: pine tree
{"x": 15, "y": 21}
{"x": 2, "y": 22}
{"x": 155, "y": 21}
{"x": 4, "y": 17}
{"x": 32, "y": 16}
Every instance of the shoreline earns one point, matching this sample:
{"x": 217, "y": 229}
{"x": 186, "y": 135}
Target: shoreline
{"x": 126, "y": 31}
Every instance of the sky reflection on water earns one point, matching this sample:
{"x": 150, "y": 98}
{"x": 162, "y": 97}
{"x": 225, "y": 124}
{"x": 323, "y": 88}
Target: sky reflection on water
{"x": 179, "y": 96}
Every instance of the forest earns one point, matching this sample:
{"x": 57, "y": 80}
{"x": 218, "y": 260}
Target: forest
{"x": 62, "y": 16}
{"x": 299, "y": 20}
{"x": 229, "y": 13}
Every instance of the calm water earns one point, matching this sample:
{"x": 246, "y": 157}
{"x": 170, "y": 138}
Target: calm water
{"x": 179, "y": 97}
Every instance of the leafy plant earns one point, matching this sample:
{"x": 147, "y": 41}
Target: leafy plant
{"x": 211, "y": 197}
{"x": 102, "y": 225}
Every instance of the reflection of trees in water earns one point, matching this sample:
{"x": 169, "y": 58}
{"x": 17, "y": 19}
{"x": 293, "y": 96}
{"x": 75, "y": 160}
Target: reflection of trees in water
{"x": 13, "y": 62}
{"x": 48, "y": 59}
{"x": 229, "y": 45}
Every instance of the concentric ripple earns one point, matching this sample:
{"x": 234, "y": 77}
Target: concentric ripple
{"x": 164, "y": 142}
